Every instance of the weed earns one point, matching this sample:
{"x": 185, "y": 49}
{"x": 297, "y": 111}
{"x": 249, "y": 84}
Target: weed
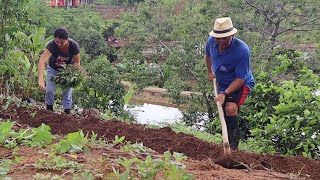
{"x": 54, "y": 162}
{"x": 48, "y": 176}
{"x": 118, "y": 140}
{"x": 135, "y": 148}
{"x": 150, "y": 168}
{"x": 33, "y": 114}
{"x": 73, "y": 142}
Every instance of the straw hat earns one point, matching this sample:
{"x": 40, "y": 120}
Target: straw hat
{"x": 223, "y": 27}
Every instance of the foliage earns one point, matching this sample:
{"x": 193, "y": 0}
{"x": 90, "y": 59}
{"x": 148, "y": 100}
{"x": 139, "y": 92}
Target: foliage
{"x": 294, "y": 126}
{"x": 151, "y": 168}
{"x": 14, "y": 17}
{"x": 137, "y": 72}
{"x": 73, "y": 142}
{"x": 6, "y": 130}
{"x": 175, "y": 86}
{"x": 5, "y": 165}
{"x": 129, "y": 94}
{"x": 125, "y": 2}
{"x": 102, "y": 89}
{"x": 69, "y": 77}
{"x": 39, "y": 176}
{"x": 92, "y": 41}
{"x": 33, "y": 137}
{"x": 118, "y": 140}
{"x": 54, "y": 162}
{"x": 103, "y": 1}
{"x": 285, "y": 119}
{"x": 280, "y": 18}
{"x": 135, "y": 148}
{"x": 21, "y": 42}
{"x": 200, "y": 134}
{"x": 32, "y": 44}
{"x": 84, "y": 25}
{"x": 39, "y": 137}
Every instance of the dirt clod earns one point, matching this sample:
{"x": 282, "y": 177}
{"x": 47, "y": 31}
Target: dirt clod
{"x": 227, "y": 161}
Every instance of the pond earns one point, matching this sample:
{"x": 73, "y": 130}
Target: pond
{"x": 154, "y": 114}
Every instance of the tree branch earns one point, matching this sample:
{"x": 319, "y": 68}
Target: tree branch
{"x": 262, "y": 30}
{"x": 261, "y": 10}
{"x": 301, "y": 24}
{"x": 287, "y": 13}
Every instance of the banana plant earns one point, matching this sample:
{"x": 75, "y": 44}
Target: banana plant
{"x": 32, "y": 45}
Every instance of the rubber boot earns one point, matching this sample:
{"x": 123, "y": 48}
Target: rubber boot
{"x": 233, "y": 131}
{"x": 50, "y": 107}
{"x": 234, "y": 138}
{"x": 67, "y": 111}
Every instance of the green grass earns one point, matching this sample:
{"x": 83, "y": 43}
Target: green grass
{"x": 216, "y": 138}
{"x": 105, "y": 2}
{"x": 244, "y": 145}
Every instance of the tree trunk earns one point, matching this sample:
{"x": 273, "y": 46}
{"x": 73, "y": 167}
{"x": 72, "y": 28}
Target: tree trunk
{"x": 264, "y": 33}
{"x": 275, "y": 34}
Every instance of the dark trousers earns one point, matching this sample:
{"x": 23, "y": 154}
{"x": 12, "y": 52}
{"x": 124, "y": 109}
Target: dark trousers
{"x": 232, "y": 122}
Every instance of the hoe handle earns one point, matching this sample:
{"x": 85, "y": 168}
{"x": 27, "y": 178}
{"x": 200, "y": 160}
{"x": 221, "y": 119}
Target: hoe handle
{"x": 226, "y": 145}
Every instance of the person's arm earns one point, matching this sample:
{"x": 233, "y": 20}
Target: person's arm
{"x": 234, "y": 86}
{"x": 76, "y": 60}
{"x": 44, "y": 58}
{"x": 210, "y": 73}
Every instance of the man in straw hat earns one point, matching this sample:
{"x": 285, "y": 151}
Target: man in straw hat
{"x": 228, "y": 60}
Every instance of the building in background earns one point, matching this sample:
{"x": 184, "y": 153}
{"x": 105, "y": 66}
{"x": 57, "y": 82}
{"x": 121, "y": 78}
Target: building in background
{"x": 66, "y": 3}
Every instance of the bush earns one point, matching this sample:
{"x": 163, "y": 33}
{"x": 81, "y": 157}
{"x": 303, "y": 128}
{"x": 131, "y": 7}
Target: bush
{"x": 103, "y": 89}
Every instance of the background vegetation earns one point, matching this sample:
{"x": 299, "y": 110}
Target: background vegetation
{"x": 282, "y": 112}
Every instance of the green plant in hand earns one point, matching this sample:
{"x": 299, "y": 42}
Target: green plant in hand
{"x": 69, "y": 77}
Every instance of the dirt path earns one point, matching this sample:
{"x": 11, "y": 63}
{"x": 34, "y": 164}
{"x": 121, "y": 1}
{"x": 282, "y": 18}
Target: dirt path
{"x": 165, "y": 139}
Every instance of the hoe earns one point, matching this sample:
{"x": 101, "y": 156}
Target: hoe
{"x": 227, "y": 160}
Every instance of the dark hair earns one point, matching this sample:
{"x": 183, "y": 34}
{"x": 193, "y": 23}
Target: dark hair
{"x": 61, "y": 33}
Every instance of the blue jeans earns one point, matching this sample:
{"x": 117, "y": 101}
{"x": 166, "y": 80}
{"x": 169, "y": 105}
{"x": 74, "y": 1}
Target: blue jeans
{"x": 51, "y": 88}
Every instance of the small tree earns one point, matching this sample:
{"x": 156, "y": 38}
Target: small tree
{"x": 103, "y": 89}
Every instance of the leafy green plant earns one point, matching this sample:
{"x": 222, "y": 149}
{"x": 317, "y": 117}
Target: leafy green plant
{"x": 293, "y": 126}
{"x": 86, "y": 175}
{"x": 118, "y": 140}
{"x": 33, "y": 114}
{"x": 129, "y": 94}
{"x": 40, "y": 136}
{"x": 152, "y": 168}
{"x": 5, "y": 168}
{"x": 72, "y": 142}
{"x": 32, "y": 44}
{"x": 39, "y": 176}
{"x": 5, "y": 130}
{"x": 54, "y": 162}
{"x": 33, "y": 137}
{"x": 135, "y": 148}
{"x": 103, "y": 89}
{"x": 69, "y": 77}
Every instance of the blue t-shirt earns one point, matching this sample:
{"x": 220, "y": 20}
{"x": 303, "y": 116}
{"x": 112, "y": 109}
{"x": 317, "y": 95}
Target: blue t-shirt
{"x": 232, "y": 63}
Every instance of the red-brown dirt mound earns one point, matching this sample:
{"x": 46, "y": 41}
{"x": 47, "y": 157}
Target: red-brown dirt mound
{"x": 160, "y": 140}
